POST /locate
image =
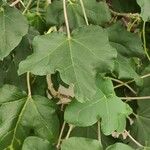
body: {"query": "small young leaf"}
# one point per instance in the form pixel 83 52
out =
pixel 79 143
pixel 13 26
pixel 76 59
pixel 105 105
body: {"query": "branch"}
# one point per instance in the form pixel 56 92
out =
pixel 125 84
pixel 122 84
pixel 135 98
pixel 66 19
pixel 136 142
pixel 144 41
pixel 14 3
pixel 27 7
pixel 69 131
pixel 60 136
pixel 28 84
pixel 99 132
pixel 84 13
pixel 128 15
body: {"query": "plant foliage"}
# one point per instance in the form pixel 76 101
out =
pixel 74 75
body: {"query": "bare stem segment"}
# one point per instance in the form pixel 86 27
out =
pixel 84 13
pixel 28 84
pixel 66 19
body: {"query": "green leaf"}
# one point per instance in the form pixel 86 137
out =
pixel 91 132
pixel 119 146
pixel 142 120
pixel 124 69
pixel 105 105
pixel 36 143
pixel 22 116
pixel 145 5
pixel 142 123
pixel 9 66
pixel 123 6
pixel 128 44
pixel 13 26
pixel 79 143
pixel 56 52
pixel 37 21
pixel 97 13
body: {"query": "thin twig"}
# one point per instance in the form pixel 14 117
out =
pixel 144 41
pixel 99 132
pixel 125 84
pixel 27 7
pixel 128 15
pixel 135 98
pixel 133 23
pixel 69 131
pixel 84 13
pixel 60 135
pixel 145 76
pixel 122 84
pixel 14 3
pixel 37 8
pixel 28 84
pixel 136 142
pixel 66 19
pixel 22 3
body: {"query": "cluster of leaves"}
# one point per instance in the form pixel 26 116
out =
pixel 69 70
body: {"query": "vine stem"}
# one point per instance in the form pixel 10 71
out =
pixel 60 135
pixel 84 13
pixel 136 142
pixel 28 84
pixel 129 15
pixel 135 98
pixel 122 84
pixel 144 41
pixel 66 19
pixel 133 23
pixel 69 131
pixel 27 7
pixel 125 84
pixel 99 132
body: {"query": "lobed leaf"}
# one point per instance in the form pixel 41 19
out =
pixel 22 116
pixel 77 59
pixel 105 105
